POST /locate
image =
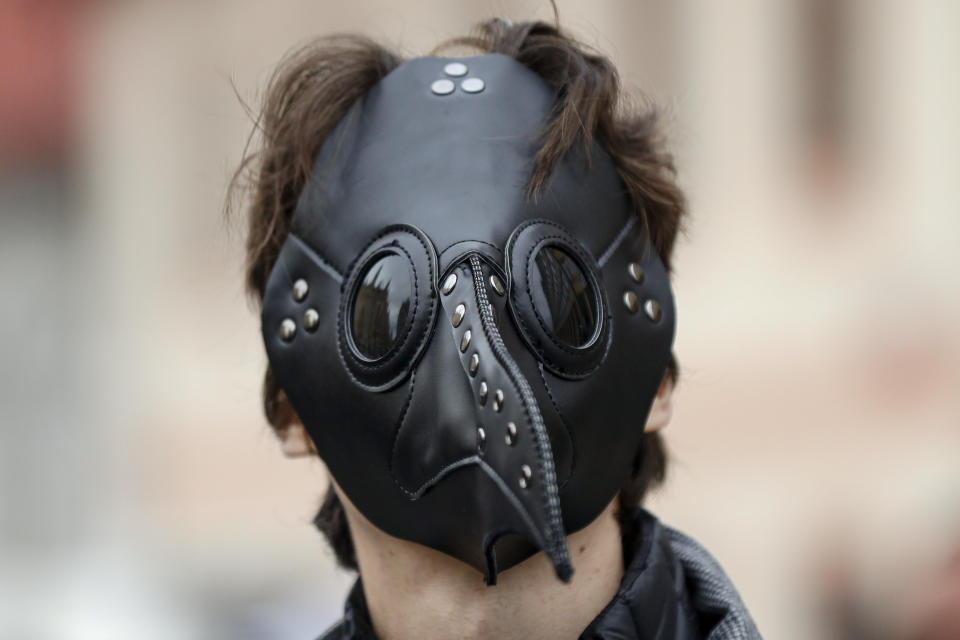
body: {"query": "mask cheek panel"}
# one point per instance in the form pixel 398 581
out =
pixel 347 423
pixel 605 407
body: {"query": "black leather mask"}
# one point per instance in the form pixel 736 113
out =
pixel 474 366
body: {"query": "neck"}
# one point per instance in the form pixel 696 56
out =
pixel 413 591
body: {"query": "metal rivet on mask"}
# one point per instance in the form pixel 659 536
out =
pixel 483 392
pixel 455 69
pixel 465 341
pixel 498 400
pixel 300 289
pixel 288 329
pixel 443 87
pixel 511 434
pixel 311 319
pixel 474 365
pixel 631 301
pixel 458 314
pixel 525 474
pixel 449 284
pixel 497 284
pixel 481 439
pixel 636 272
pixel 472 85
pixel 652 308
pixel 493 312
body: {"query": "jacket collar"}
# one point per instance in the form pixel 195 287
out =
pixel 672 588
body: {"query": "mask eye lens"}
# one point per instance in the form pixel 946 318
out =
pixel 381 306
pixel 563 297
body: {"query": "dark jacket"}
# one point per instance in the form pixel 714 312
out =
pixel 672 589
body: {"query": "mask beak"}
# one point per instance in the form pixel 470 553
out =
pixel 514 450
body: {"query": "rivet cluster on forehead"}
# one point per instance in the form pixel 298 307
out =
pixel 446 86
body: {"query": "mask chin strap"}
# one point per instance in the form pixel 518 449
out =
pixel 515 451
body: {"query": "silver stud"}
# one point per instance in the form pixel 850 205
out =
pixel 525 474
pixel 288 329
pixel 652 308
pixel 497 284
pixel 449 284
pixel 458 314
pixel 631 301
pixel 472 85
pixel 465 341
pixel 497 400
pixel 481 439
pixel 474 365
pixel 483 393
pixel 311 319
pixel 456 69
pixel 300 289
pixel 636 272
pixel 511 434
pixel 493 312
pixel 443 87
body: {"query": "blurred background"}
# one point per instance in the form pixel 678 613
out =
pixel 816 439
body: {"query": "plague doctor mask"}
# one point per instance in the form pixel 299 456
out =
pixel 474 365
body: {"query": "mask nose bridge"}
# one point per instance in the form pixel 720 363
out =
pixel 459 252
pixel 514 449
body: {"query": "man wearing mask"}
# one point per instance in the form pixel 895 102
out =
pixel 463 265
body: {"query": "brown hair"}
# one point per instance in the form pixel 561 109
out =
pixel 312 89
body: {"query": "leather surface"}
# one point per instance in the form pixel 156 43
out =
pixel 440 180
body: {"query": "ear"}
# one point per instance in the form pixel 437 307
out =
pixel 662 409
pixel 295 442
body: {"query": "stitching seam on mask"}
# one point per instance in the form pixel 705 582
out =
pixel 400 422
pixel 557 551
pixel 427 326
pixel 314 255
pixel 566 425
pixel 453 244
pixel 462 462
pixel 606 255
